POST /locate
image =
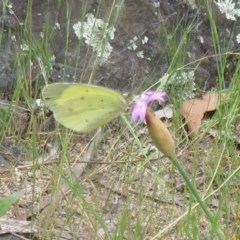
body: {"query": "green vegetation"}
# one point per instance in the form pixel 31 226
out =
pixel 113 183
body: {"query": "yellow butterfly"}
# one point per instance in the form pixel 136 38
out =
pixel 83 107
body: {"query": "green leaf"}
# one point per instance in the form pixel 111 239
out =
pixel 8 201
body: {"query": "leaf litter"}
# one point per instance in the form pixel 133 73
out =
pixel 193 110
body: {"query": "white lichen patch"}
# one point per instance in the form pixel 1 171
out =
pixel 156 4
pixel 228 7
pixel 57 26
pixel 42 35
pixel 140 54
pixel 10 8
pixel 96 33
pixel 144 40
pixel 53 58
pixel 135 42
pixel 24 47
pixel 238 38
pixel 192 4
pixel 183 83
pixel 132 43
pixel 201 39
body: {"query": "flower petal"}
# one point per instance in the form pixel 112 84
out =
pixel 139 112
pixel 140 104
pixel 135 115
pixel 159 96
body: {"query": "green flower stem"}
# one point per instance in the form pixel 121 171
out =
pixel 211 218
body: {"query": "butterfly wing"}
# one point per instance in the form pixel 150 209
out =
pixel 83 107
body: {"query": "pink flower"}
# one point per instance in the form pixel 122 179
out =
pixel 140 104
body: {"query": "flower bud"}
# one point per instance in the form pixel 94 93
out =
pixel 160 134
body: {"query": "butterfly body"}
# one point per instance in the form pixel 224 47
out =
pixel 83 107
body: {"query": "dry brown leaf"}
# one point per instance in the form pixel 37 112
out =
pixel 212 101
pixel 193 111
